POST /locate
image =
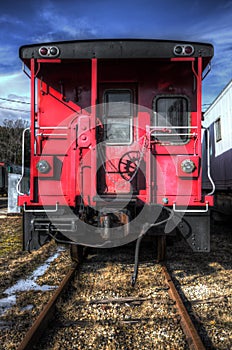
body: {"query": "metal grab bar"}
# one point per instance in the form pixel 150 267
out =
pixel 23 164
pixel 171 127
pixel 40 210
pixel 171 131
pixel 179 134
pixel 52 127
pixel 50 134
pixel 208 164
pixel 191 210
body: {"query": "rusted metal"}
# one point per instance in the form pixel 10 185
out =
pixel 189 329
pixel 161 248
pixel 40 324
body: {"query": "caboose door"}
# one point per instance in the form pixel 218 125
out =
pixel 117 152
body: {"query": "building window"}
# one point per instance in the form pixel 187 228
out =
pixel 218 129
pixel 172 113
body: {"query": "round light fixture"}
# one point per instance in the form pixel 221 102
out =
pixel 183 50
pixel 43 166
pixel 47 51
pixel 188 166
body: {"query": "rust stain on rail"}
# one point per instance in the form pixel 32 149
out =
pixel 190 331
pixel 46 315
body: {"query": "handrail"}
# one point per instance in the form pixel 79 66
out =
pixel 191 210
pixel 208 164
pixel 163 130
pixel 40 210
pixel 23 164
pixel 176 134
pixel 51 127
pixel 172 127
pixel 209 69
pixel 50 134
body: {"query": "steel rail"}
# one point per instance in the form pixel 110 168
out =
pixel 40 324
pixel 193 338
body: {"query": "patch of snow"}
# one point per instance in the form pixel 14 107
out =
pixel 25 285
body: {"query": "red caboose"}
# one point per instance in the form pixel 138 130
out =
pixel 116 142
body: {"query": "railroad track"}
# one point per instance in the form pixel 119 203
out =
pixel 42 322
pixel 102 310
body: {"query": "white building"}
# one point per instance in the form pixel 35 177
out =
pixel 220 114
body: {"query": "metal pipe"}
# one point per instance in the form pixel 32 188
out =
pixel 135 273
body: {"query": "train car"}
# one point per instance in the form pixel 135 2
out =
pixel 5 169
pixel 218 136
pixel 9 173
pixel 116 143
pixel 3 179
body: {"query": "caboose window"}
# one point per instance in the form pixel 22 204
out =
pixel 118 130
pixel 118 116
pixel 172 113
pixel 118 103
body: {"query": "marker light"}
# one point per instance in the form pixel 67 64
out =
pixel 43 166
pixel 178 50
pixel 43 51
pixel 183 50
pixel 46 51
pixel 188 50
pixel 188 166
pixel 54 51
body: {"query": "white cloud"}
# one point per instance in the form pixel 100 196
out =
pixel 15 83
pixel 14 87
pixel 70 27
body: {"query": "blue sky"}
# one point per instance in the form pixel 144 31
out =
pixel 27 22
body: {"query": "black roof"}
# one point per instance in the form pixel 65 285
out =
pixel 117 48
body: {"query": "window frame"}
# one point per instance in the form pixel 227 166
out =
pixel 116 117
pixel 218 129
pixel 112 143
pixel 168 137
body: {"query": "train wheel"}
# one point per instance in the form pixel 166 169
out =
pixel 76 253
pixel 161 248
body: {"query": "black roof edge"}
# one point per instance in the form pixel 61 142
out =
pixel 31 50
pixel 116 40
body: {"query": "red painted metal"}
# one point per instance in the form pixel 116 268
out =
pixel 67 129
pixel 49 60
pixel 181 59
pixel 199 114
pixel 32 170
pixel 93 155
